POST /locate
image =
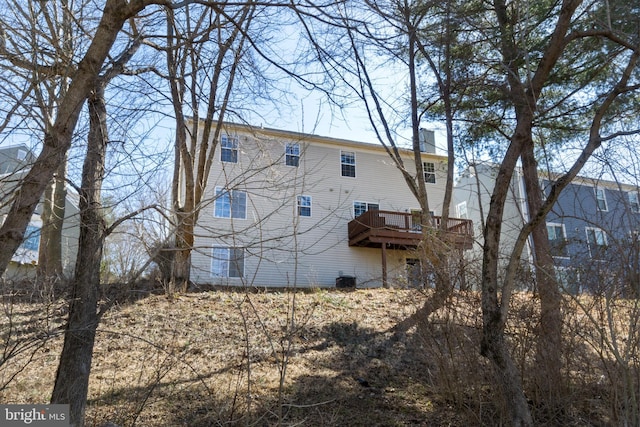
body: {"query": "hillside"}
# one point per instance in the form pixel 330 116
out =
pixel 311 358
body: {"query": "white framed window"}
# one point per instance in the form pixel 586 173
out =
pixel 292 154
pixel 31 239
pixel 429 172
pixel 22 154
pixel 361 207
pixel 228 149
pixel 230 204
pixel 461 210
pixel 601 199
pixel 633 201
pixel 227 262
pixel 557 239
pixel 348 163
pixel 304 206
pixel 597 242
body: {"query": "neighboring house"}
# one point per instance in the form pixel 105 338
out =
pixel 15 162
pixel 593 227
pixel 290 209
pixel 471 197
pixel 593 230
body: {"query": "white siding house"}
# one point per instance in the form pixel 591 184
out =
pixel 472 195
pixel 15 162
pixel 278 205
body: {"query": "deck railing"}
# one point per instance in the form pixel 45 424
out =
pixel 404 221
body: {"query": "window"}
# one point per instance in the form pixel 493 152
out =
pixel 601 199
pixel 557 239
pixel 292 154
pixel 31 238
pixel 304 205
pixel 229 149
pixel 348 163
pixel 361 207
pixel 227 262
pixel 597 241
pixel 568 279
pixel 230 204
pixel 429 172
pixel 633 201
pixel 22 154
pixel 461 210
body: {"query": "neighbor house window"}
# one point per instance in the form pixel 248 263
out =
pixel 292 154
pixel 22 154
pixel 31 238
pixel 461 210
pixel 557 239
pixel 361 207
pixel 348 163
pixel 597 241
pixel 601 199
pixel 227 262
pixel 230 204
pixel 633 201
pixel 304 205
pixel 229 149
pixel 568 280
pixel 429 172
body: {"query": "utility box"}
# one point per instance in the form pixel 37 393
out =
pixel 345 282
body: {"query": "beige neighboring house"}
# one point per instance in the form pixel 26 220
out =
pixel 15 162
pixel 291 209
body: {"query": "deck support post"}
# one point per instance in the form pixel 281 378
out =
pixel 384 265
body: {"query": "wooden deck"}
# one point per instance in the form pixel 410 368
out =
pixel 397 230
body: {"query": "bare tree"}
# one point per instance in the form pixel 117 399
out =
pixel 39 49
pixel 72 378
pixel 58 136
pixel 193 83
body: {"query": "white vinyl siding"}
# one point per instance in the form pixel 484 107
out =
pixel 318 253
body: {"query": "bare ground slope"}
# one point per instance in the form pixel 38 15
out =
pixel 315 358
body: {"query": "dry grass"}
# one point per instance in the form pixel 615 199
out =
pixel 316 358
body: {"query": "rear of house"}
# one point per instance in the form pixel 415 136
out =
pixel 279 203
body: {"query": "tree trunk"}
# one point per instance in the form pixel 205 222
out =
pixel 53 211
pixel 182 257
pixel 494 348
pixel 493 345
pixel 72 378
pixel 547 375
